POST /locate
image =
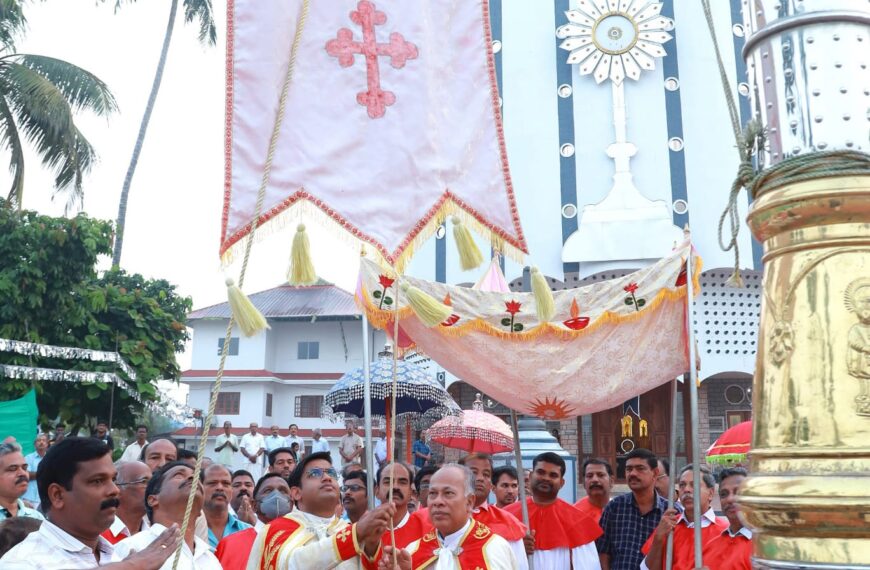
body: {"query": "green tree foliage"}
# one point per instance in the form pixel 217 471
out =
pixel 52 294
pixel 39 97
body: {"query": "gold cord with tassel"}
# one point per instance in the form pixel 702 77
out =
pixel 301 268
pixel 545 306
pixel 430 311
pixel 469 254
pixel 250 320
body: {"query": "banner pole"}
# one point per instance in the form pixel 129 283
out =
pixel 521 473
pixel 693 404
pixel 367 410
pixel 672 470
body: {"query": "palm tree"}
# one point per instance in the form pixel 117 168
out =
pixel 39 96
pixel 194 10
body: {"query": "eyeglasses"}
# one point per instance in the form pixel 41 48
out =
pixel 319 472
pixel 352 488
pixel 141 481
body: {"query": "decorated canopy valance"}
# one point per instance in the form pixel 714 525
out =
pixel 606 343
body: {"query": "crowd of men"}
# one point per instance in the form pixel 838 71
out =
pixel 68 506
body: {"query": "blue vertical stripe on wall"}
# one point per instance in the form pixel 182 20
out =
pixel 495 25
pixel 674 118
pixel 743 100
pixel 567 165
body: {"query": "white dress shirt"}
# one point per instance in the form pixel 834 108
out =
pixel 318 445
pixel 253 443
pixel 381 451
pixel 51 548
pixel 200 559
pixel 291 439
pixel 133 452
pixel 274 442
pixel 579 558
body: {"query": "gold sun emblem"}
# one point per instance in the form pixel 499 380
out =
pixel 551 409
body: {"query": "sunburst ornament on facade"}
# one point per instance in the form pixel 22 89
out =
pixel 615 39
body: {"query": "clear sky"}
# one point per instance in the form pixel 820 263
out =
pixel 173 216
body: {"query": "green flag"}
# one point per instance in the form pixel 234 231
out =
pixel 18 419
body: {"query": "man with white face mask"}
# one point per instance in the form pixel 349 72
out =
pixel 271 500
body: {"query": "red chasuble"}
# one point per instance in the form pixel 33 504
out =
pixel 684 542
pixel 233 551
pixel 587 507
pixel 728 553
pixel 500 522
pixel 285 528
pixel 471 555
pixel 414 528
pixel 557 525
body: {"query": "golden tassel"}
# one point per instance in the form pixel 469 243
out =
pixel 428 310
pixel 469 254
pixel 545 306
pixel 249 319
pixel 301 269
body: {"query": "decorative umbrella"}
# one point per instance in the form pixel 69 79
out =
pixel 732 446
pixel 475 431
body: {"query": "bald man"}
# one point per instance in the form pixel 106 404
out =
pixel 133 477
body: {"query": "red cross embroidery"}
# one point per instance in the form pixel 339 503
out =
pixel 375 99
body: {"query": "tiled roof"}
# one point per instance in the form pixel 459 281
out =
pixel 292 303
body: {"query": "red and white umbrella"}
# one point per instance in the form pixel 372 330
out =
pixel 732 446
pixel 475 431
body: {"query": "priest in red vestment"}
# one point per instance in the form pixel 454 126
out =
pixel 563 537
pixel 597 481
pixel 682 525
pixel 407 527
pixel 732 549
pixel 457 541
pixel 498 520
pixel 271 500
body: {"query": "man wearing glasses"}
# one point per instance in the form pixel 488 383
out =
pixel 312 536
pixel 354 496
pixel 133 477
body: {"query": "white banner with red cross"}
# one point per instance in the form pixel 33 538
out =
pixel 392 121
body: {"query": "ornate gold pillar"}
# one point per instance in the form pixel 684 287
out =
pixel 809 490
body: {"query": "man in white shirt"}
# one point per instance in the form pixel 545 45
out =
pixel 294 438
pixel 165 503
pixel 130 518
pixel 253 445
pixel 381 449
pixel 350 446
pixel 226 445
pixel 79 498
pixel 134 450
pixel 273 441
pixel 318 444
pixel 33 460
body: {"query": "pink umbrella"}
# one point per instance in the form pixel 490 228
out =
pixel 475 431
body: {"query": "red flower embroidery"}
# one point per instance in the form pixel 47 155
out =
pixel 385 281
pixel 513 307
pixel 630 288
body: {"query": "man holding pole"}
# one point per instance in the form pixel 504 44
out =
pixel 683 525
pixel 561 536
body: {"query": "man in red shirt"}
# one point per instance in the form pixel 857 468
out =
pixel 682 525
pixel 598 482
pixel 498 520
pixel 408 526
pixel 271 500
pixel 731 550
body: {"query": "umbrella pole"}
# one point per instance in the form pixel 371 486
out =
pixel 367 408
pixel 669 553
pixel 518 456
pixel 693 400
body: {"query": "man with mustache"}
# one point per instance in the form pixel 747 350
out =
pixel 629 519
pixel 165 502
pixel 498 521
pixel 242 498
pixel 132 479
pixel 561 536
pixel 79 499
pixel 158 453
pixel 506 485
pixel 271 500
pixel 683 525
pixel 282 461
pixel 311 537
pixel 14 480
pixel 354 496
pixel 663 480
pixel 457 541
pixel 407 527
pixel 597 481
pixel 732 549
pixel 217 486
